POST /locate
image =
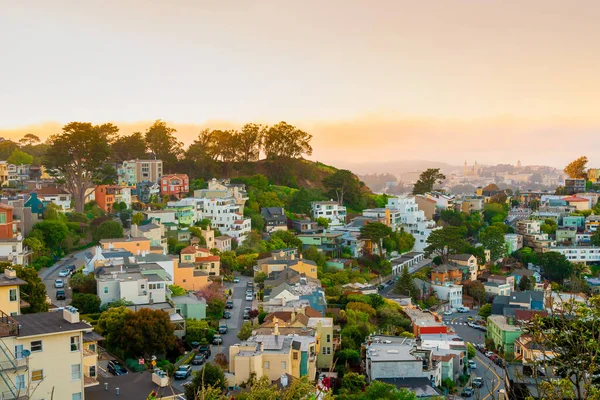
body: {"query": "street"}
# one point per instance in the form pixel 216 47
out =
pixel 493 375
pixel 234 324
pixel 49 276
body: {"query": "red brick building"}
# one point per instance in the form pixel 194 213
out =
pixel 177 185
pixel 8 227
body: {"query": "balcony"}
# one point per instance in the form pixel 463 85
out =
pixel 89 381
pixel 10 396
pixel 8 326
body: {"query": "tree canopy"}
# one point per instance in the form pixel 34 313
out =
pixel 446 241
pixel 555 266
pixel 577 168
pixel 19 157
pixel 492 239
pixel 283 140
pixel 375 231
pixel 344 186
pixel 427 180
pixel 163 144
pixel 129 147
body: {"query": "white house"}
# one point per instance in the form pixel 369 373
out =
pixel 59 197
pixel 578 254
pixel 139 288
pixel 331 210
pixel 164 216
pixel 225 216
pixel 13 250
pixel 513 241
pixel 412 220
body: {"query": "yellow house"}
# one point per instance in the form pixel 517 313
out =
pixel 273 356
pixel 10 296
pixel 202 258
pixel 3 173
pixel 284 261
pixel 136 245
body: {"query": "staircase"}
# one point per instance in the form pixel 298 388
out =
pixel 9 363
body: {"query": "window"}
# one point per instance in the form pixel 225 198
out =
pixel 76 396
pixel 266 365
pixel 75 372
pixel 37 375
pixel 324 351
pixel 14 314
pixel 2 218
pixel 12 295
pixel 328 350
pixel 283 365
pixel 92 371
pixel 36 345
pixel 142 286
pixel 105 289
pixel 19 351
pixel 92 347
pixel 295 355
pixel 328 338
pixel 20 382
pixel 74 343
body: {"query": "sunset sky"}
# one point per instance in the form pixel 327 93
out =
pixel 444 80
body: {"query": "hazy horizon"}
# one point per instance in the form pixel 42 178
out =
pixel 494 82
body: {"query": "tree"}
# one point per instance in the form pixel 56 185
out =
pixel 596 238
pixel 249 142
pixel 323 222
pixel 471 352
pixel 77 154
pixel 210 375
pixel 286 141
pixel 54 232
pixel 288 238
pixel 494 212
pixel 6 149
pixel 19 157
pixel 129 147
pixel 526 284
pixel 83 283
pixel 549 226
pixel 137 218
pixel 86 303
pixel 405 285
pixel 245 331
pixel 555 266
pixel 147 332
pixel 343 184
pixel 492 239
pixel 163 143
pixel 109 230
pixel 29 139
pixel 260 277
pixel 33 292
pixel 353 382
pixel 476 290
pixel 485 311
pixel 177 290
pixel 427 179
pixel 446 241
pixel 375 232
pixel 198 331
pixel 576 168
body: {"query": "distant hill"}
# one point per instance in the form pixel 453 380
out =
pixel 396 167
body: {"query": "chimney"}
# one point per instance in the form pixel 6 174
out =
pixel 292 257
pixel 71 314
pixel 276 328
pixel 292 317
pixel 10 273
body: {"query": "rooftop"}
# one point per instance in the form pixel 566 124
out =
pixel 6 281
pixel 131 386
pixel 48 322
pixel 500 322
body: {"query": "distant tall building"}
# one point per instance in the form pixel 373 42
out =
pixel 471 171
pixel 519 166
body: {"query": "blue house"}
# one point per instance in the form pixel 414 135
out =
pixel 37 206
pixel 577 221
pixel 519 273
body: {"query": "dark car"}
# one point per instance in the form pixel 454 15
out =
pixel 467 392
pixel 205 349
pixel 226 315
pixel 199 359
pixel 223 329
pixel 217 339
pixel 60 295
pixel 70 268
pixel 116 368
pixel 229 305
pixel 477 382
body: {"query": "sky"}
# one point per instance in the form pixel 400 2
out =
pixel 447 80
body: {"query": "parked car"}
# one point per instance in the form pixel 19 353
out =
pixel 463 309
pixel 63 273
pixel 205 349
pixel 71 269
pixel 217 339
pixel 499 362
pixel 249 297
pixel 229 305
pixel 226 315
pixel 116 368
pixel 472 364
pixel 199 359
pixel 469 318
pixel 236 280
pixel 477 382
pixel 223 329
pixel 493 357
pixel 59 283
pixel 488 354
pixel 60 295
pixel 467 392
pixel 183 372
pixel 447 312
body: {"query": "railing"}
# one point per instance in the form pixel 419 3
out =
pixel 8 325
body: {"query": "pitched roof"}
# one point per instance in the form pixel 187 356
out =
pixel 208 259
pixel 312 313
pixel 50 191
pixel 523 272
pixel 192 249
pixel 526 315
pixel 575 199
pixel 460 257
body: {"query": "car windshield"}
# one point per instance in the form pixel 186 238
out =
pixel 183 369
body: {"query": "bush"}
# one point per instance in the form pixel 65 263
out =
pixel 86 303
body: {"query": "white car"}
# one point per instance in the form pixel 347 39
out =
pixel 489 354
pixel 447 312
pixel 472 364
pixel 59 283
pixel 248 297
pixel 63 273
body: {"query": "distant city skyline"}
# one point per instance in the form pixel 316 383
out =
pixel 487 81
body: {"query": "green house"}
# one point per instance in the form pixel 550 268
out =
pixel 503 331
pixel 190 307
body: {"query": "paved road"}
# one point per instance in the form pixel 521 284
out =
pixel 49 276
pixel 493 376
pixel 234 324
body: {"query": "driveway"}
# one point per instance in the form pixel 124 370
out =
pixel 234 324
pixel 493 376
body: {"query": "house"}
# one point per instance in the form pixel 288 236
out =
pixel 162 216
pixel 275 219
pixel 339 263
pixel 330 243
pixel 208 235
pixel 577 254
pixel 576 221
pixel 427 205
pixel 447 274
pixel 424 321
pixel 36 205
pixel 412 220
pixel 449 293
pixel 330 210
pixel 184 215
pixel 175 185
pixel 389 357
pixel 504 330
pixel 12 248
pixel 472 204
pixel 34 343
pixel 574 185
pixel 191 277
pixel 131 172
pixel 272 356
pixel 22 214
pixel 226 216
pixel 135 245
pixel 529 352
pixel 146 190
pixel 466 260
pixel 510 280
pixel 153 231
pixel 513 242
pixel 165 261
pixel 54 195
pixel 189 306
pixel 413 260
pixel 202 258
pixel 526 300
pixel 224 188
pixel 495 288
pixel 305 226
pixel 281 262
pixel 580 203
pixel 140 284
pixel 442 201
pixel 223 243
pixel 106 196
pixel 520 273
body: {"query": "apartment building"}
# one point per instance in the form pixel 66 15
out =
pixel 134 171
pixel 225 215
pixel 272 356
pixel 223 243
pixel 177 185
pixel 140 284
pixel 330 210
pixel 412 220
pixel 577 254
pixel 224 188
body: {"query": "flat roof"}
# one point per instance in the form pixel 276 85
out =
pixel 48 322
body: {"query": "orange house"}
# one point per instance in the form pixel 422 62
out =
pixel 190 278
pixel 136 245
pixel 105 196
pixel 441 276
pixel 8 227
